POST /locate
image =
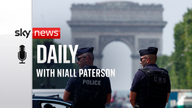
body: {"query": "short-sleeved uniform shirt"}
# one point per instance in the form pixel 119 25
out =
pixel 140 79
pixel 73 82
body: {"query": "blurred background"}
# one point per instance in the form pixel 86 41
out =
pixel 164 24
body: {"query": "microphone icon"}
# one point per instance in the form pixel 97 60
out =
pixel 22 55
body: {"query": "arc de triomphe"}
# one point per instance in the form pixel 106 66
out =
pixel 138 26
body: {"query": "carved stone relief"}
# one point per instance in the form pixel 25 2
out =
pixel 145 43
pixel 129 40
pixel 117 29
pixel 85 42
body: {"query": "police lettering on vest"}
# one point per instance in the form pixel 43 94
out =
pixel 159 79
pixel 92 82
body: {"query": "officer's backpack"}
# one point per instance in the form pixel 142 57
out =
pixel 157 87
pixel 90 93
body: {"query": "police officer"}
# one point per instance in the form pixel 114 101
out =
pixel 151 84
pixel 87 92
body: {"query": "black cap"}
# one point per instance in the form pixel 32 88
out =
pixel 84 50
pixel 150 50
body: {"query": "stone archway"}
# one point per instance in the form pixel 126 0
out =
pixel 139 26
pixel 118 58
pixel 104 40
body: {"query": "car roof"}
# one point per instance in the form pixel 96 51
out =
pixel 51 99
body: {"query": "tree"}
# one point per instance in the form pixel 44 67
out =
pixel 179 63
pixel 179 56
pixel 188 45
pixel 182 58
pixel 166 62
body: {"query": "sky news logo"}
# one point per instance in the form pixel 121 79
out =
pixel 46 33
pixel 40 33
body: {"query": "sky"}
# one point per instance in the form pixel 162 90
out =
pixel 57 12
pixel 54 13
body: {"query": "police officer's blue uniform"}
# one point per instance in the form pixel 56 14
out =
pixel 88 92
pixel 156 97
pixel 74 85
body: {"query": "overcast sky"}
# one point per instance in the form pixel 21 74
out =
pixel 55 13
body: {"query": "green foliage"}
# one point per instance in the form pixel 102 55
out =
pixel 182 58
pixel 179 63
pixel 166 62
pixel 188 45
pixel 59 82
pixel 179 56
